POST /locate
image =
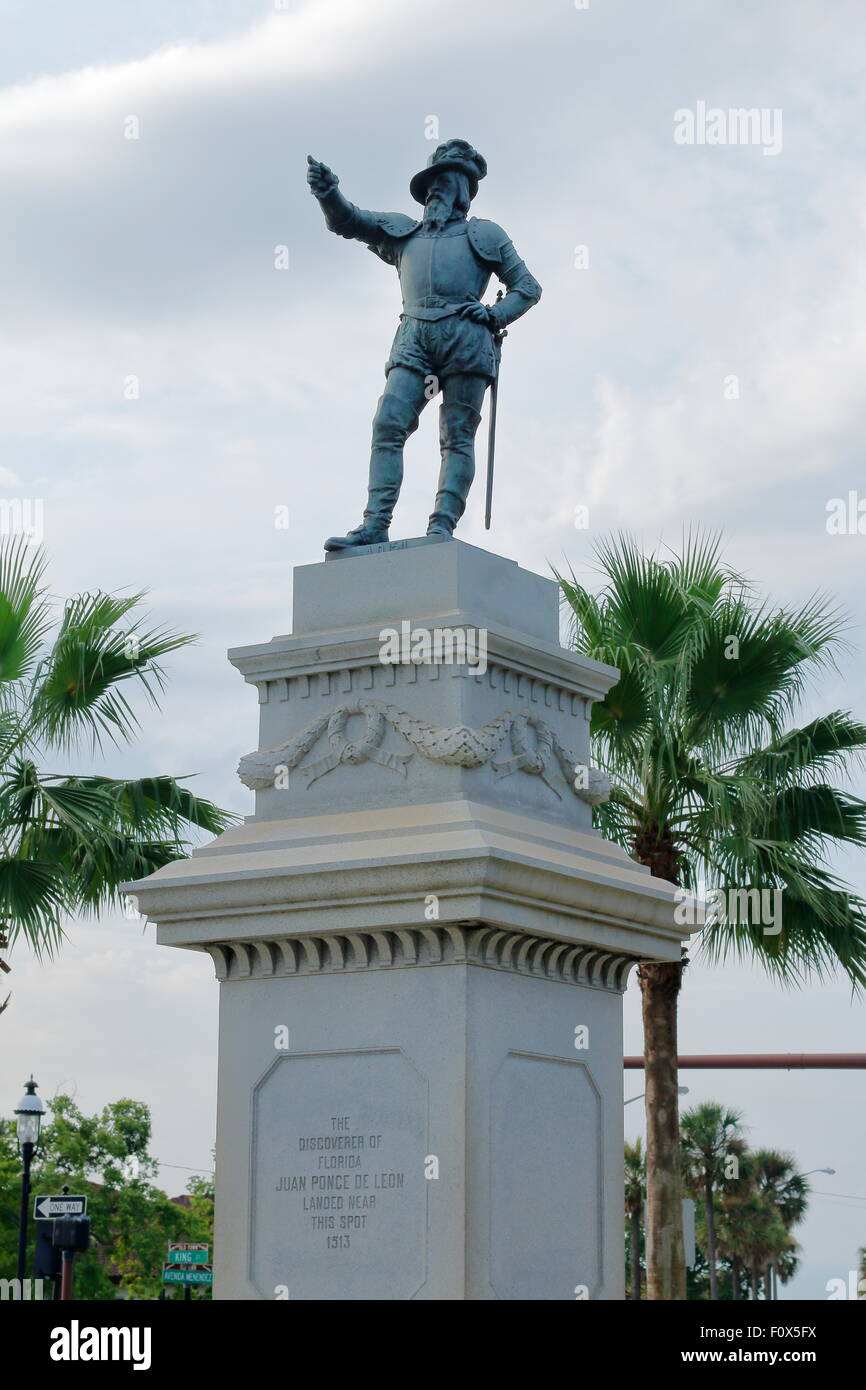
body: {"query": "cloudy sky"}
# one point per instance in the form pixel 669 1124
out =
pixel 698 357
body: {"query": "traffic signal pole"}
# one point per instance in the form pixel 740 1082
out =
pixel 67 1275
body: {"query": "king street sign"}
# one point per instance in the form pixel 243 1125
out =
pixel 187 1254
pixel 47 1208
pixel 187 1274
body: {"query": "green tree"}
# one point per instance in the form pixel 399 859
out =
pixel 711 1138
pixel 107 1156
pixel 635 1193
pixel 200 1190
pixel 767 1237
pixel 787 1191
pixel 756 1213
pixel 736 1211
pixel 67 842
pixel 712 783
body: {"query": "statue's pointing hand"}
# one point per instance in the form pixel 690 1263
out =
pixel 320 178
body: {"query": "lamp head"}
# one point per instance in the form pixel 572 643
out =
pixel 28 1115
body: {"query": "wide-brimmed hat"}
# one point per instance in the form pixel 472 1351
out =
pixel 457 155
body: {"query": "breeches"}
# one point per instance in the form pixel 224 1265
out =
pixel 446 347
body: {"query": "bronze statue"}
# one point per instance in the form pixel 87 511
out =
pixel 447 339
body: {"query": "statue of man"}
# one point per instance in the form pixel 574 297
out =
pixel 446 335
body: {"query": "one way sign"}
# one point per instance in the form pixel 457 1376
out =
pixel 47 1208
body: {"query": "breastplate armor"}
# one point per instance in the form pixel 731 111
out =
pixel 439 271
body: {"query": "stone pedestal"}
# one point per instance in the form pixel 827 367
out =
pixel 421 945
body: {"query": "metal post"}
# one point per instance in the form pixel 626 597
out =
pixel 67 1274
pixel 27 1155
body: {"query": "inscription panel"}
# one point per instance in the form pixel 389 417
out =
pixel 546 1177
pixel 339 1196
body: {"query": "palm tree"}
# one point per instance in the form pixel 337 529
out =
pixel 737 1209
pixel 767 1238
pixel 67 841
pixel 777 1179
pixel 755 1215
pixel 635 1192
pixel 712 783
pixel 788 1260
pixel 711 1137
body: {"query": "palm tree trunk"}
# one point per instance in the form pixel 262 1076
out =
pixel 711 1241
pixel 755 1277
pixel 635 1253
pixel 665 1253
pixel 768 1281
pixel 735 1279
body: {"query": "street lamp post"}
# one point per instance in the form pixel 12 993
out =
pixel 681 1091
pixel 29 1120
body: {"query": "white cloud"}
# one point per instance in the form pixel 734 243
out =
pixel 47 117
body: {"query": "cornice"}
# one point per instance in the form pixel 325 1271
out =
pixel 430 945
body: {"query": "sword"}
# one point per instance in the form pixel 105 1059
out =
pixel 491 433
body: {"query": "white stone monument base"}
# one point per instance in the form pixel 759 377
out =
pixel 421 944
pixel 431 1131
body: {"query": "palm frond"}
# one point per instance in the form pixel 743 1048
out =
pixel 826 743
pixel 24 614
pixel 80 690
pixel 33 901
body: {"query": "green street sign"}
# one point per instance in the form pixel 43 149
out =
pixel 189 1274
pixel 190 1256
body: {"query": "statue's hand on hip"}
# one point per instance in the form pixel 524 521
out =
pixel 478 313
pixel 320 178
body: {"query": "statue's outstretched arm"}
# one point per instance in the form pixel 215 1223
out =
pixel 341 216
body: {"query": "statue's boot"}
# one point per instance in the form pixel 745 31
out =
pixel 395 419
pixel 457 426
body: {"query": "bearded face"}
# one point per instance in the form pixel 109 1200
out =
pixel 448 194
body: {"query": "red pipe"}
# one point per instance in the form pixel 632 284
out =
pixel 781 1061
